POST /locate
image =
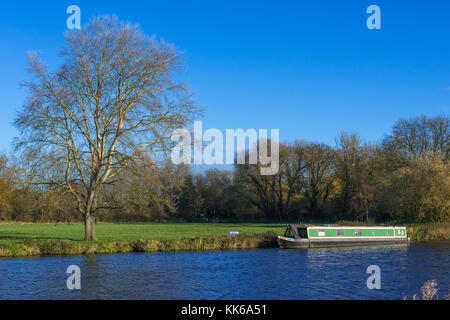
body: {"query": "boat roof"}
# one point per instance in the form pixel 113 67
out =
pixel 294 226
pixel 354 227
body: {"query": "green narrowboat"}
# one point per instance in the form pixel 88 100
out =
pixel 302 236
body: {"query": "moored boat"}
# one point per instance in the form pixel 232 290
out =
pixel 301 236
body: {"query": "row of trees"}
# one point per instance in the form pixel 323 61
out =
pixel 405 177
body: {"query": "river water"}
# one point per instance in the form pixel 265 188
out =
pixel 247 274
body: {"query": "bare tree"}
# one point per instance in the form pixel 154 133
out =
pixel 273 194
pixel 112 100
pixel 319 172
pixel 348 159
pixel 419 137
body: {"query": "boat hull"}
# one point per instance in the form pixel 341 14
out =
pixel 293 244
pixel 326 243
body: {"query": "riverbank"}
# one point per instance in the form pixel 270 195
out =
pixel 35 247
pixel 20 240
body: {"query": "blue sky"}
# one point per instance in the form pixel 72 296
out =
pixel 308 68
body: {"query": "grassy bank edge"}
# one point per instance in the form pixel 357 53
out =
pixel 34 247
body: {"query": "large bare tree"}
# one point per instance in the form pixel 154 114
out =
pixel 113 99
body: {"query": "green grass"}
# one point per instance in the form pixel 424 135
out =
pixel 429 231
pixel 132 231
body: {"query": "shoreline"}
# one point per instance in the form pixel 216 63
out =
pixel 36 248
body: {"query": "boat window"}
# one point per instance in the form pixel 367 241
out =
pixel 340 232
pixel 302 233
pixel 358 232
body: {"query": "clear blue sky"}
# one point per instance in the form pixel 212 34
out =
pixel 308 68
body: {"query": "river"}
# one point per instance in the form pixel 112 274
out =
pixel 335 273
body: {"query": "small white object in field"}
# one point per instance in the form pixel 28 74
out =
pixel 234 234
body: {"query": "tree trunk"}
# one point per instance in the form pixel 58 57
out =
pixel 89 227
pixel 366 209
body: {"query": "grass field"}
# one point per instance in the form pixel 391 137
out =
pixel 61 239
pixel 132 231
